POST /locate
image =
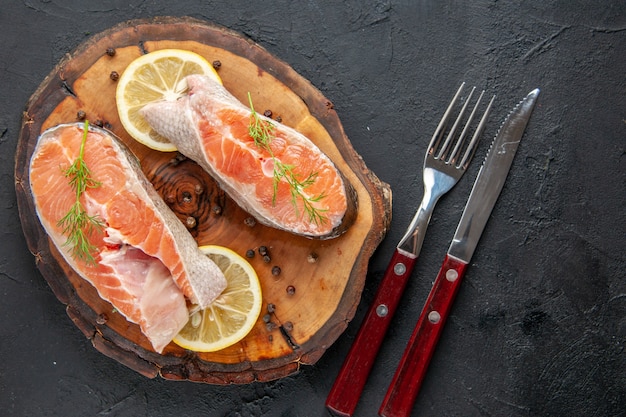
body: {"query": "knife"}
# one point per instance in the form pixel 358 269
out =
pixel 348 386
pixel 410 373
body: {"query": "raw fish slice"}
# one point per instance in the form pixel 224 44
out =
pixel 210 126
pixel 147 262
pixel 143 286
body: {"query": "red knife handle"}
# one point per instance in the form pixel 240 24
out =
pixel 410 373
pixel 345 393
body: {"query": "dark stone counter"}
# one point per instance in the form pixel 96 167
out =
pixel 539 325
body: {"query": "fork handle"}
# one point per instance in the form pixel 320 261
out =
pixel 410 373
pixel 346 390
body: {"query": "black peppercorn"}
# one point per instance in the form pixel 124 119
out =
pixel 190 222
pixel 102 318
pixel 178 159
pixel 312 258
pixel 110 51
pixel 114 75
pixel 267 113
pixel 250 253
pixel 217 64
pixel 80 115
pixel 276 271
pixel 271 308
pixel 291 290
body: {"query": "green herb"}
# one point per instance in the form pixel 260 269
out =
pixel 77 224
pixel 262 131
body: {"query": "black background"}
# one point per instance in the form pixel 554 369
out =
pixel 539 324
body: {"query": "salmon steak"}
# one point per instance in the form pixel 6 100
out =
pixel 145 262
pixel 278 176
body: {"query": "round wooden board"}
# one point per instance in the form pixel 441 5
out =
pixel 306 322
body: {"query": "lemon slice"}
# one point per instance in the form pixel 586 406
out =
pixel 233 314
pixel 156 76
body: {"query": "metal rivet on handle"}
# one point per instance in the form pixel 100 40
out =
pixel 434 317
pixel 382 310
pixel 452 275
pixel 399 268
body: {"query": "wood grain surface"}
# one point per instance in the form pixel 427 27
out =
pixel 322 295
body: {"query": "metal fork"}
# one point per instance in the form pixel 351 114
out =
pixel 443 168
pixel 445 163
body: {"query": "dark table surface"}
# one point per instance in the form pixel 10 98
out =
pixel 539 324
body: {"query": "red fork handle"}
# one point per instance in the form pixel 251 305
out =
pixel 410 373
pixel 346 391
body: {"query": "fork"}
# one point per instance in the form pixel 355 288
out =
pixel 445 163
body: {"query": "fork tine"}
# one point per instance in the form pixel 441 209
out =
pixel 434 142
pixel 446 144
pixel 471 148
pixel 455 152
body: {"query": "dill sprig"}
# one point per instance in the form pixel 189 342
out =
pixel 262 131
pixel 77 224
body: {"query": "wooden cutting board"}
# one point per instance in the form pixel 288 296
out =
pixel 320 284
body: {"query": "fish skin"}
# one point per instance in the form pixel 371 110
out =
pixel 161 265
pixel 210 126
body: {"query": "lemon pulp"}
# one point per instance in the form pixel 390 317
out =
pixel 233 314
pixel 156 76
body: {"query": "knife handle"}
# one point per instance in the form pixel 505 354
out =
pixel 346 390
pixel 410 373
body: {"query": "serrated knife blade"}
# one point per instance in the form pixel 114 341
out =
pixel 490 179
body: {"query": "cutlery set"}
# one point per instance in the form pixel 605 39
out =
pixel 447 157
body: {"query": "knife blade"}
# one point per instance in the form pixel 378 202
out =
pixel 413 365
